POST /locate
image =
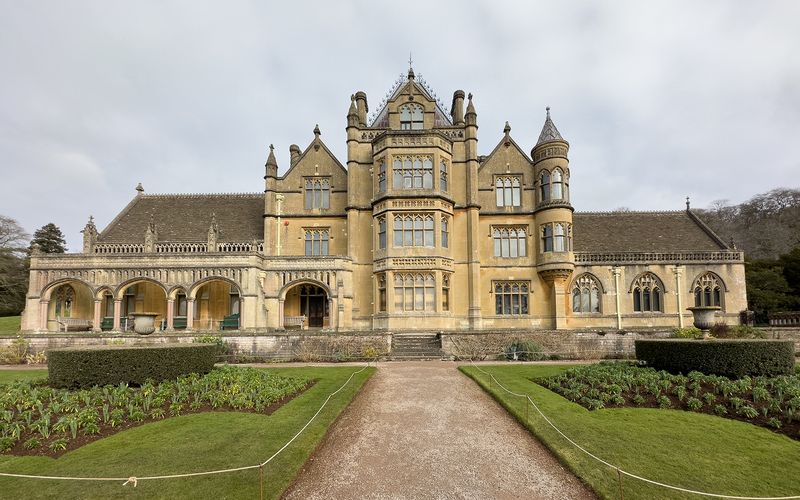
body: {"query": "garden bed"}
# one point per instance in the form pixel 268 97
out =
pixel 771 402
pixel 39 420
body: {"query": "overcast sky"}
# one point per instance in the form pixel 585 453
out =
pixel 658 100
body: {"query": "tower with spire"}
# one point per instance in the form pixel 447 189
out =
pixel 555 258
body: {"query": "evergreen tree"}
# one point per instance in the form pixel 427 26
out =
pixel 50 239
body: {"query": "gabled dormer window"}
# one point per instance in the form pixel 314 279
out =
pixel 411 117
pixel 318 193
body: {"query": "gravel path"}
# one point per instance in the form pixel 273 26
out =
pixel 424 430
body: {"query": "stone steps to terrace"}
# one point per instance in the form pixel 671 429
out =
pixel 416 346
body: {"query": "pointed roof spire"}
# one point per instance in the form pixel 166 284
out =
pixel 410 67
pixel 470 106
pixel 353 111
pixel 271 161
pixel 549 131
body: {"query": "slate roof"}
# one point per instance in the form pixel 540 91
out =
pixel 549 131
pixel 187 217
pixel 679 231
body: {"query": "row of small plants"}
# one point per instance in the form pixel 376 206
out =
pixel 772 402
pixel 47 420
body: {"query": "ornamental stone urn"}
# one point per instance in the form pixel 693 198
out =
pixel 704 317
pixel 144 323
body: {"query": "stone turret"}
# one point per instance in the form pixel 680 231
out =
pixel 89 236
pixel 363 108
pixel 555 260
pixel 294 154
pixel 457 109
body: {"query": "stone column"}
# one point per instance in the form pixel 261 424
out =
pixel 170 314
pixel 117 312
pixel 281 325
pixel 617 271
pixel 44 305
pixel 333 313
pixel 189 313
pixel 98 304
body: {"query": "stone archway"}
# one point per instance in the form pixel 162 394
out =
pixel 68 305
pixel 306 304
pixel 215 303
pixel 136 296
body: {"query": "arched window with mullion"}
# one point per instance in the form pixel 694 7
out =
pixel 647 290
pixel 707 290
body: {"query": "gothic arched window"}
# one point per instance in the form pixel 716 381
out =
pixel 411 117
pixel 443 176
pixel 382 177
pixel 65 297
pixel 557 182
pixel 586 293
pixel 708 290
pixel 648 293
pixel 544 186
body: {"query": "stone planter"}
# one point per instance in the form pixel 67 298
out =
pixel 704 317
pixel 144 323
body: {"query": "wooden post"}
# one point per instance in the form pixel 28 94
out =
pixel 261 480
pixel 619 478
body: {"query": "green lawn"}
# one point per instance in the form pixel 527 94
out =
pixel 690 450
pixel 9 324
pixel 7 376
pixel 193 443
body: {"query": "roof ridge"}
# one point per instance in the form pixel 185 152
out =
pixel 617 212
pixel 201 195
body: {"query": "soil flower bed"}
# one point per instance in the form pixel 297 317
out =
pixel 39 420
pixel 772 402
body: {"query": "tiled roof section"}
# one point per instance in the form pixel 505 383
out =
pixel 187 217
pixel 641 232
pixel 549 131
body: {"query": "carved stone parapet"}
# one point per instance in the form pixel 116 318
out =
pixel 722 256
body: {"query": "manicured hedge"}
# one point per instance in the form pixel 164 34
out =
pixel 100 365
pixel 733 358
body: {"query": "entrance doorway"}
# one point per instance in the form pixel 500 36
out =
pixel 313 305
pixel 306 305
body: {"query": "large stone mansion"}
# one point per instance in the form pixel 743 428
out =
pixel 417 231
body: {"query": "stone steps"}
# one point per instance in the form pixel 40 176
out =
pixel 416 347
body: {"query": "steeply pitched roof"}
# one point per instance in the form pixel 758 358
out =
pixel 381 116
pixel 549 131
pixel 642 232
pixel 187 217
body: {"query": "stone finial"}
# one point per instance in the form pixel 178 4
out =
pixel 687 204
pixel 470 106
pixel 89 236
pixel 36 249
pixel 272 163
pixel 139 189
pixel 317 133
pixel 353 111
pixel 150 236
pixel 213 234
pixel 507 133
pixel 732 244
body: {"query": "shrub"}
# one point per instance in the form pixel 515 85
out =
pixel 15 353
pixel 689 332
pixel 730 358
pixel 103 365
pixel 223 348
pixel 524 350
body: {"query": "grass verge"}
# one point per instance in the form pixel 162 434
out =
pixel 693 451
pixel 193 443
pixel 9 325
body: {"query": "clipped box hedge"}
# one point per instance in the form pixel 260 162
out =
pixel 732 358
pixel 86 366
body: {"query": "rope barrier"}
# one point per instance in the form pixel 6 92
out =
pixel 619 470
pixel 136 479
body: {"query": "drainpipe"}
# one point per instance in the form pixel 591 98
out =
pixel 617 271
pixel 279 199
pixel 678 272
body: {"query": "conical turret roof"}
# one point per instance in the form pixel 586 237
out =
pixel 549 131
